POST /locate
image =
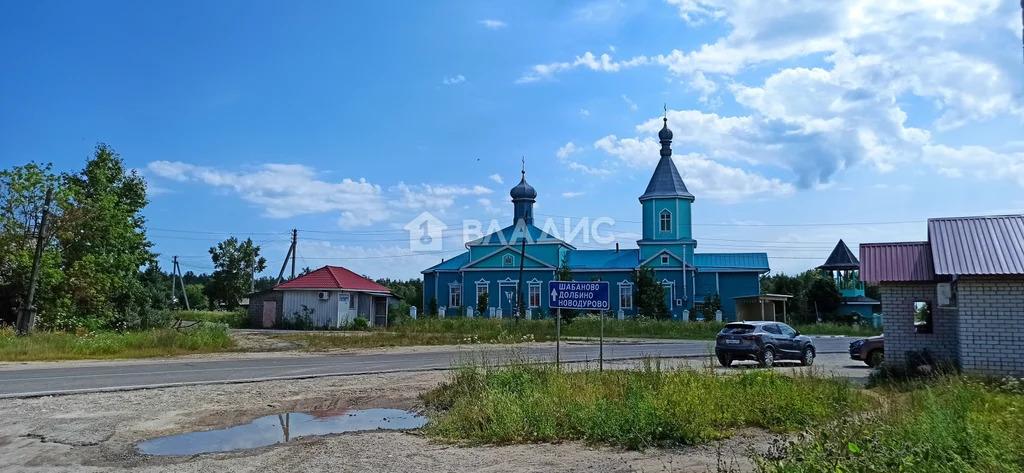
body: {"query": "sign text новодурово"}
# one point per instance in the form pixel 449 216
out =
pixel 579 295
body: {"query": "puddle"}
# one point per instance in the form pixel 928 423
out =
pixel 281 428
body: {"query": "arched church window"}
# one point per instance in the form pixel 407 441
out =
pixel 507 260
pixel 666 221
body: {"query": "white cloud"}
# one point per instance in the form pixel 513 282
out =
pixel 493 24
pixel 705 177
pixel 456 79
pixel 975 161
pixel 702 84
pixel 570 195
pixel 632 104
pixel 496 178
pixel 288 190
pixel 603 62
pixel 584 112
pixel 611 48
pixel 567 150
pixel 427 196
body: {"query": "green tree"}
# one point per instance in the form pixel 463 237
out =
pixel 712 304
pixel 234 262
pixel 650 295
pixel 196 297
pixel 22 195
pixel 434 309
pixel 564 273
pixel 103 240
pixel 482 305
pixel 824 297
pixel 157 285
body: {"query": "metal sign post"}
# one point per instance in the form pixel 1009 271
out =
pixel 558 339
pixel 592 295
pixel 600 353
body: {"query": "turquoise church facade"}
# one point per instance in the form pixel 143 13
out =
pixel 492 264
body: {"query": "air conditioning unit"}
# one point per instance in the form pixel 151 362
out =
pixel 323 295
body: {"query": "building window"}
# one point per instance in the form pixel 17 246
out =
pixel 626 296
pixel 481 290
pixel 534 299
pixel 923 317
pixel 666 221
pixel 508 260
pixel 455 295
pixel 664 259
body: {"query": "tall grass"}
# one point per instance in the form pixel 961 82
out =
pixel 544 329
pixel 949 425
pixel 636 409
pixel 48 346
pixel 231 318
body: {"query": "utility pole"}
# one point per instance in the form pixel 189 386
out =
pixel 27 314
pixel 287 256
pixel 295 241
pixel 521 310
pixel 252 277
pixel 177 278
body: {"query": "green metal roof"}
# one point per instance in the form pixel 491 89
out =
pixel 731 262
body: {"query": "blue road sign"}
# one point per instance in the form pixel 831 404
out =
pixel 591 295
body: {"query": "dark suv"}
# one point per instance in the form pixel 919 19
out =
pixel 765 342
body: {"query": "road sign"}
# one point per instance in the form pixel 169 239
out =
pixel 591 295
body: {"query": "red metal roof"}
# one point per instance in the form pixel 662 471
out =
pixel 896 262
pixel 333 277
pixel 978 245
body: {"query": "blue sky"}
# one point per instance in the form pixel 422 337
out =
pixel 795 124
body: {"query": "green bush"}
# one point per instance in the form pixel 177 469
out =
pixel 947 425
pixel 360 323
pixel 636 409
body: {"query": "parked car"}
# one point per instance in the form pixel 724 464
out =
pixel 869 350
pixel 763 341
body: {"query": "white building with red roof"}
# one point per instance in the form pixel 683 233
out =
pixel 331 296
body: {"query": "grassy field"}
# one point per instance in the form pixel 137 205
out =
pixel 47 346
pixel 590 327
pixel 636 409
pixel 459 330
pixel 946 425
pixel 233 319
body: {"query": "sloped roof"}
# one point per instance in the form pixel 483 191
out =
pixel 731 262
pixel 992 245
pixel 604 259
pixel 896 262
pixel 332 277
pixel 511 235
pixel 450 264
pixel 666 182
pixel 841 258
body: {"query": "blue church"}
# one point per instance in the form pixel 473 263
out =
pixel 492 263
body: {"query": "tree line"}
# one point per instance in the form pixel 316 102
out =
pixel 98 270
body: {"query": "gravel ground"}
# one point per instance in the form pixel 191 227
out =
pixel 98 432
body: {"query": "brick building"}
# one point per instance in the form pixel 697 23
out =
pixel 959 296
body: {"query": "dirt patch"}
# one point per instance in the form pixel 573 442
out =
pixel 261 343
pixel 98 432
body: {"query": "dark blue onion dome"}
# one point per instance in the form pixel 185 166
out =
pixel 665 134
pixel 523 190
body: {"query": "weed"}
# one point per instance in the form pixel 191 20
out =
pixel 45 346
pixel 636 409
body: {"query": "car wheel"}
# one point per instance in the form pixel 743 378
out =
pixel 875 358
pixel 808 357
pixel 767 359
pixel 725 360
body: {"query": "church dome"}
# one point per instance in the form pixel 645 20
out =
pixel 523 190
pixel 665 134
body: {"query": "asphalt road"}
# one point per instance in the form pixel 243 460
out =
pixel 96 377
